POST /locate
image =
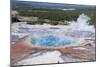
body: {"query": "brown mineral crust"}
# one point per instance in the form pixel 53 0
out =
pixel 19 50
pixel 80 54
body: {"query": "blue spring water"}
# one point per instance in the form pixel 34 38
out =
pixel 51 41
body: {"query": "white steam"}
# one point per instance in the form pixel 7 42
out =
pixel 81 24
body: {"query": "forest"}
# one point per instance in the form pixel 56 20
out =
pixel 55 15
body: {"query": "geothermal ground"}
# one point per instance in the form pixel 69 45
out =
pixel 43 44
pixel 26 54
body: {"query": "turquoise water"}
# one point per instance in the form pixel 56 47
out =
pixel 51 41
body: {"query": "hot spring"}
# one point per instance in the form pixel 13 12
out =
pixel 52 41
pixel 47 35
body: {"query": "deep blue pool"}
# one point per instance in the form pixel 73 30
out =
pixel 51 41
